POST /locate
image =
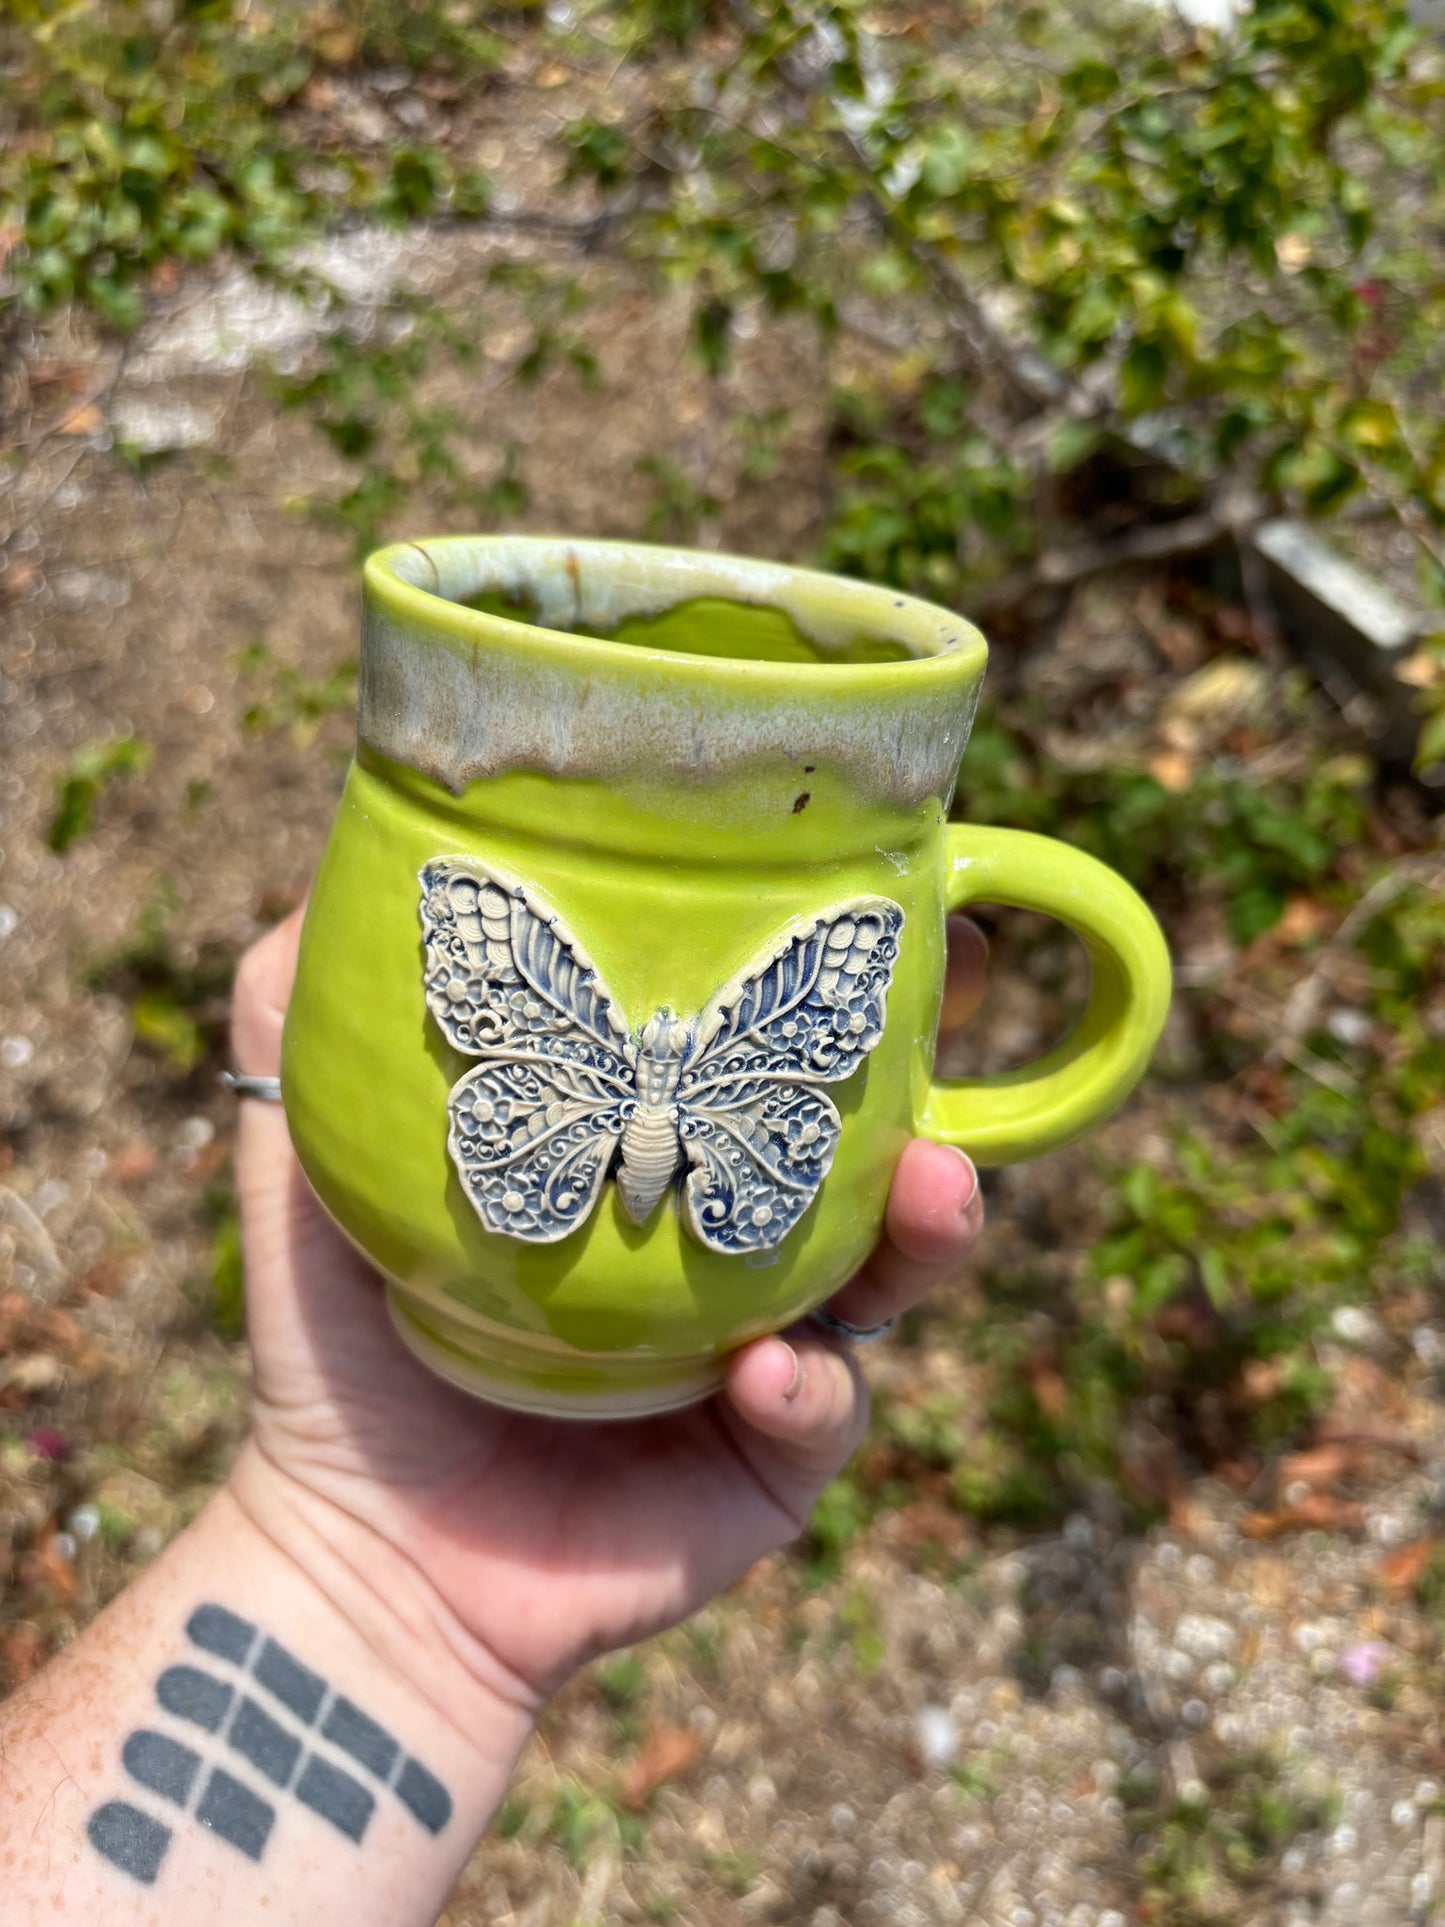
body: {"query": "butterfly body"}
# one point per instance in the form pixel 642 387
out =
pixel 651 1148
pixel 566 1094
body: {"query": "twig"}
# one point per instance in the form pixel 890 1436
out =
pixel 985 346
pixel 1302 1007
pixel 38 1239
pixel 1062 568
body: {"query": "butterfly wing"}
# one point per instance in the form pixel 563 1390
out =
pixel 758 1131
pixel 534 1126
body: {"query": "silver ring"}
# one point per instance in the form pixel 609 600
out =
pixel 836 1327
pixel 242 1084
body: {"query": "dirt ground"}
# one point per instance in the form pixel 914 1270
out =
pixel 945 1725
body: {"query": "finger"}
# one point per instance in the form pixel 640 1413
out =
pixel 965 978
pixel 934 1216
pixel 258 1003
pixel 803 1408
pixel 277 1211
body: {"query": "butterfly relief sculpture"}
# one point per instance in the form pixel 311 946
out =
pixel 565 1092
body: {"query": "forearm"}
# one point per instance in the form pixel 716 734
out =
pixel 237 1733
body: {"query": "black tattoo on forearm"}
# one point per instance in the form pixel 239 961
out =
pixel 294 1735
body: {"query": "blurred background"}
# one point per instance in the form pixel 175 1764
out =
pixel 1120 330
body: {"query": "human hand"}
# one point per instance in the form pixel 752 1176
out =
pixel 512 1545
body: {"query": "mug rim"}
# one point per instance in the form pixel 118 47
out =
pixel 948 645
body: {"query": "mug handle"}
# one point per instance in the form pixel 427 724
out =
pixel 1020 1113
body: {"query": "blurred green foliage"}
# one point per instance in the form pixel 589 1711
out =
pixel 151 135
pixel 91 772
pixel 1200 1858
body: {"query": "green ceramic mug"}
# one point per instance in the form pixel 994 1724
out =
pixel 620 980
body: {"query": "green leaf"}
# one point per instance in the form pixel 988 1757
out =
pixel 1070 444
pixel 1142 377
pixel 90 774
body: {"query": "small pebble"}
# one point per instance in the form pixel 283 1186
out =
pixel 8 920
pixel 147 1542
pixel 1346 1026
pixel 16 1052
pixel 1402 1814
pixel 1194 1713
pixel 195 1134
pixel 62 1544
pixel 937 1735
pixel 84 1523
pixel 1427 1792
pixel 1205 1637
pixel 843 1820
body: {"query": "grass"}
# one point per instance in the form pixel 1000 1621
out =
pixel 1198 1859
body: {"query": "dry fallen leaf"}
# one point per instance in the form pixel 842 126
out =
pixel 929 1521
pixel 1317 1513
pixel 85 420
pixel 666 1754
pixel 1046 1383
pixel 33 1373
pixel 15 1311
pixel 1303 919
pixel 72 377
pixel 1173 770
pixel 1400 1571
pixel 1422 670
pixel 133 1162
pixel 48 1570
pixel 1186 1517
pixel 18 580
pixel 1320 1465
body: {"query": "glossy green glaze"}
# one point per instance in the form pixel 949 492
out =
pixel 679 802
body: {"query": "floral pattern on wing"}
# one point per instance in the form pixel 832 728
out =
pixel 502 974
pixel 532 1143
pixel 760 1141
pixel 758 1153
pixel 534 1128
pixel 812 1008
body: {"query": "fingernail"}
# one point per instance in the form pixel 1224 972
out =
pixel 971 1188
pixel 795 1383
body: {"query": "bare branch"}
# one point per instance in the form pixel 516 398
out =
pixel 1062 568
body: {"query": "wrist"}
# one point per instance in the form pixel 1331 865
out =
pixel 380 1603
